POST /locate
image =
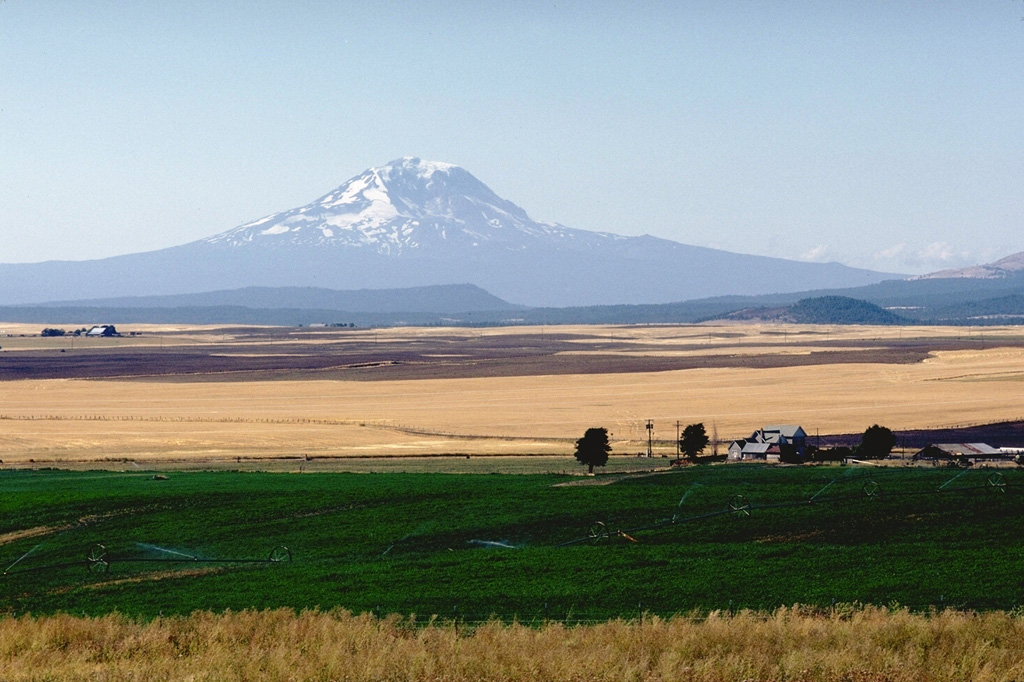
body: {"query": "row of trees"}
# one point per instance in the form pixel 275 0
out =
pixel 593 448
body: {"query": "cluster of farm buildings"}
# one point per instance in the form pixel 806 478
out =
pixel 788 442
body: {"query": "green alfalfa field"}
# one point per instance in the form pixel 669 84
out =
pixel 529 548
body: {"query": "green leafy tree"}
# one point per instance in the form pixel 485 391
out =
pixel 592 450
pixel 876 443
pixel 693 441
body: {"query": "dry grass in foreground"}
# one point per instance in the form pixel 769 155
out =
pixel 790 644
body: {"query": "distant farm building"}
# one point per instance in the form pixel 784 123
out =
pixel 770 444
pixel 963 453
pixel 102 330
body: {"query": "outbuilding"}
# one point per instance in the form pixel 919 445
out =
pixel 963 453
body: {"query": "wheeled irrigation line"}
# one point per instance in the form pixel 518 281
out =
pixel 99 560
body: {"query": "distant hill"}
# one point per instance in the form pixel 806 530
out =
pixel 241 315
pixel 996 309
pixel 285 306
pixel 448 298
pixel 1004 267
pixel 841 310
pixel 822 310
pixel 966 301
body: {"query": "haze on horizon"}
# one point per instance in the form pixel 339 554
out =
pixel 883 135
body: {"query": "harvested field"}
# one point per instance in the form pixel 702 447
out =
pixel 227 394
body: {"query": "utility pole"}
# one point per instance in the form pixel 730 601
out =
pixel 650 438
pixel 678 453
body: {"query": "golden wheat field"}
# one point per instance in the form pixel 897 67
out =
pixel 855 645
pixel 733 378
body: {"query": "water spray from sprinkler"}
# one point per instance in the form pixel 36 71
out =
pixel 166 550
pixel 18 560
pixel 822 490
pixel 953 479
pixel 493 543
pixel 690 489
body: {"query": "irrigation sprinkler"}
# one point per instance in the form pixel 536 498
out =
pixel 279 554
pixel 739 506
pixel 995 483
pixel 870 489
pixel 598 532
pixel 97 559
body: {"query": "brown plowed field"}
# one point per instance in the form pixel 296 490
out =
pixel 294 354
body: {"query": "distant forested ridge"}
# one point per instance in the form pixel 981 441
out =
pixel 841 310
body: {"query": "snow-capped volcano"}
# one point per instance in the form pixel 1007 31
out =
pixel 406 205
pixel 414 223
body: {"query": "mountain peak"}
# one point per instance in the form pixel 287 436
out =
pixel 391 181
pixel 419 166
pixel 408 204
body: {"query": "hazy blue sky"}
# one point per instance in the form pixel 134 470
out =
pixel 887 135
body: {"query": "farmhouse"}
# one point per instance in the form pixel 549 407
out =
pixel 964 453
pixel 769 444
pixel 744 450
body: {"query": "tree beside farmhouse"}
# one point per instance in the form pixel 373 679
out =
pixel 592 450
pixel 693 441
pixel 876 443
